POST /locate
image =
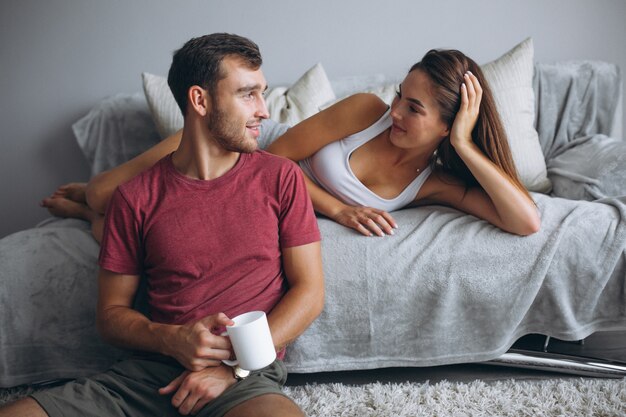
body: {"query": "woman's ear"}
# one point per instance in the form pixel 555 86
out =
pixel 445 133
pixel 199 100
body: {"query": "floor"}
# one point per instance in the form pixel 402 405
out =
pixel 608 346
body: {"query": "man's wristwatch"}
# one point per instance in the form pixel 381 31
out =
pixel 239 373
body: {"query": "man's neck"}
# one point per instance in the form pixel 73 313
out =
pixel 199 156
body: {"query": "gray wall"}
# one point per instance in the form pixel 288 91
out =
pixel 60 57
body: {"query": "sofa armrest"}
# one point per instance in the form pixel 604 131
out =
pixel 589 168
pixel 576 99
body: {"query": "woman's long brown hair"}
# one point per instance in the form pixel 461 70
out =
pixel 446 68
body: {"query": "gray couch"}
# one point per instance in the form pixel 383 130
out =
pixel 446 288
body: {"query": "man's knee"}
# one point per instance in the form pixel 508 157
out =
pixel 26 407
pixel 270 405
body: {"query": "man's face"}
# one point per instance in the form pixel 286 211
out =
pixel 237 107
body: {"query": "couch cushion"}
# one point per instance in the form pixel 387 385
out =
pixel 510 78
pixel 163 107
pixel 117 129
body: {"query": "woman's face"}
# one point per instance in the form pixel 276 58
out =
pixel 415 114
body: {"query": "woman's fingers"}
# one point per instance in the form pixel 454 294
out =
pixel 373 227
pixel 471 92
pixel 378 222
pixel 368 221
pixel 384 221
pixel 363 230
pixel 464 98
pixel 477 87
pixel 389 220
pixel 474 90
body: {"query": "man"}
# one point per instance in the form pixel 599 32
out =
pixel 218 229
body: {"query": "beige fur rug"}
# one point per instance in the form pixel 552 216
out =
pixel 552 397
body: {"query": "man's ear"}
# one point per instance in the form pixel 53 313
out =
pixel 199 100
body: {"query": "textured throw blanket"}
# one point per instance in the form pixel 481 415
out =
pixel 449 288
pixel 48 299
pixel 576 111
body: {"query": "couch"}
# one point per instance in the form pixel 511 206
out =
pixel 446 288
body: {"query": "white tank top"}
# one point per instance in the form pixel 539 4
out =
pixel 330 169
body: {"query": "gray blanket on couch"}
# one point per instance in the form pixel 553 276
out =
pixel 577 111
pixel 449 288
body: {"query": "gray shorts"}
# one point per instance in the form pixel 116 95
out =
pixel 130 387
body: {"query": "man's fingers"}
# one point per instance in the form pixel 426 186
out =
pixel 214 342
pixel 199 405
pixel 210 361
pixel 173 386
pixel 216 320
pixel 219 354
pixel 180 396
pixel 189 404
pixel 168 389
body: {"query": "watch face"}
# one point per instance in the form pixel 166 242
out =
pixel 240 373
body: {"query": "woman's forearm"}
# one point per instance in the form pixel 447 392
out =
pixel 323 202
pixel 517 212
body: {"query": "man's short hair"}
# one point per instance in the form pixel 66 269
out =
pixel 198 62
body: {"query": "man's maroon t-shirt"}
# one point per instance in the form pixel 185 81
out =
pixel 209 246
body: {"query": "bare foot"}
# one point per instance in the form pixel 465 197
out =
pixel 64 207
pixel 74 191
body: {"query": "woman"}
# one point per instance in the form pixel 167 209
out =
pixel 440 142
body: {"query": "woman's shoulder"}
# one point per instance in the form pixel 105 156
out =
pixel 362 104
pixel 344 118
pixel 355 113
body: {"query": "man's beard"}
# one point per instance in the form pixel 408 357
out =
pixel 228 133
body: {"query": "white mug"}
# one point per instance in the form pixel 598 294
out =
pixel 252 341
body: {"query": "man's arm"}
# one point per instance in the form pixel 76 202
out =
pixel 304 299
pixel 193 345
pixel 302 303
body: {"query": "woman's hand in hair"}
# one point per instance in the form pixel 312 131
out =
pixel 366 220
pixel 465 120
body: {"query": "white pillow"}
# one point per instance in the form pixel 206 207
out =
pixel 385 91
pixel 342 86
pixel 303 99
pixel 510 78
pixel 117 129
pixel 288 105
pixel 163 107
